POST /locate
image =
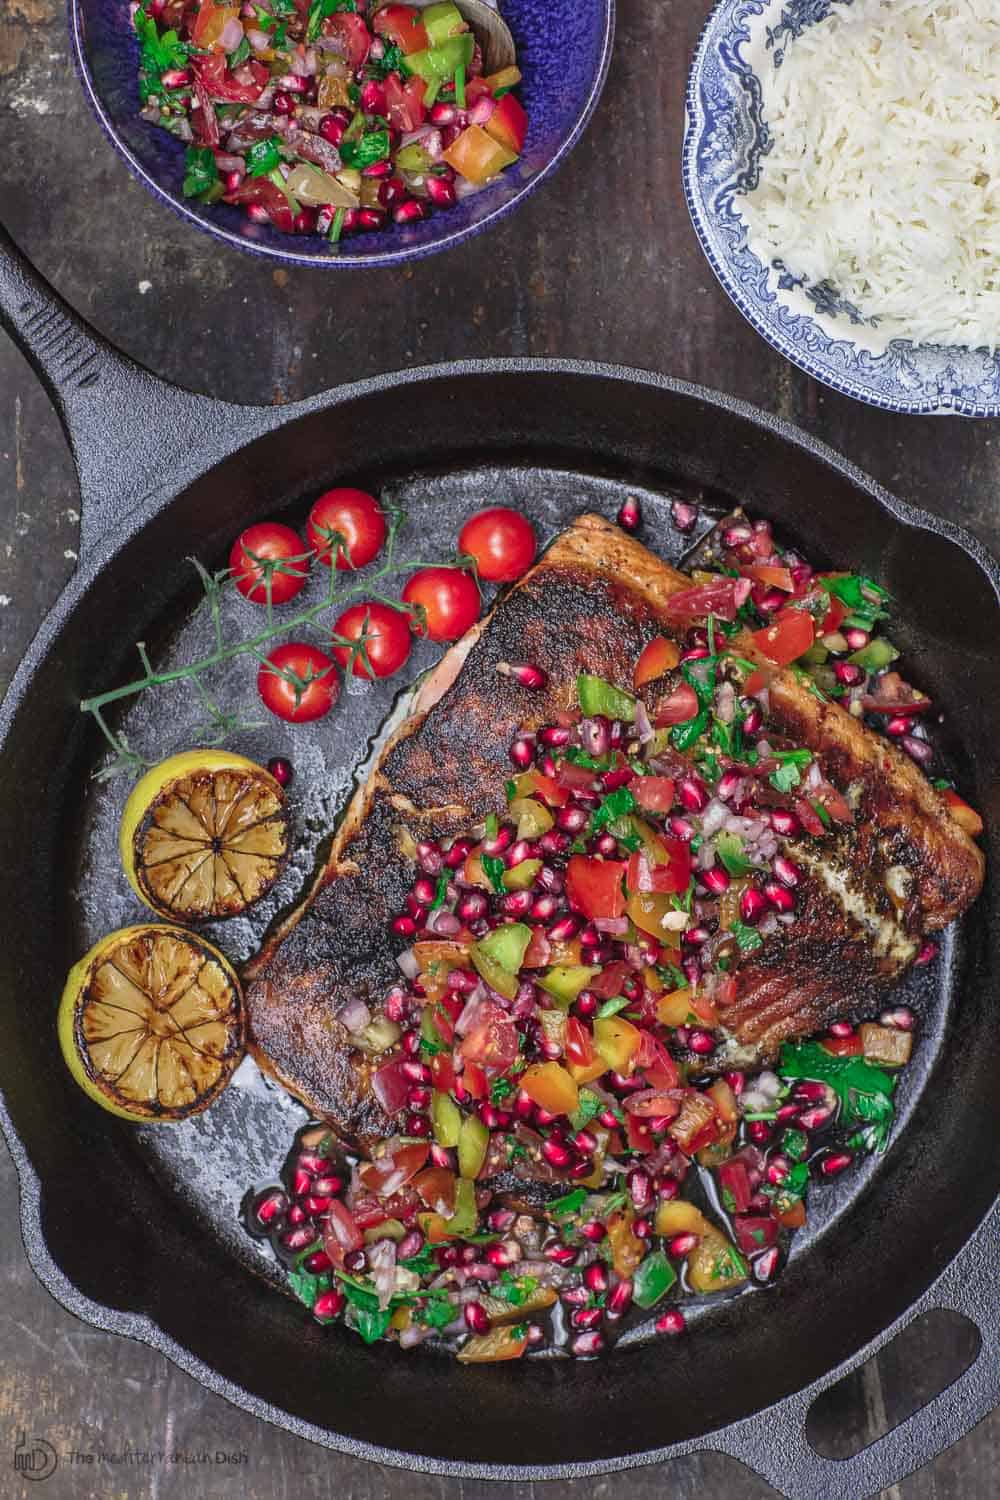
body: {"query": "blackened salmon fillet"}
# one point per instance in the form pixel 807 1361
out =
pixel 590 604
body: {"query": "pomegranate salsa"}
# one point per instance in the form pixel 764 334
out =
pixel 327 116
pixel 580 1142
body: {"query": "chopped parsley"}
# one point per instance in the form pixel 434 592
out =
pixel 318 12
pixel 569 1203
pixel 588 1106
pixel 789 771
pixel 500 1089
pixel 200 172
pixel 264 156
pixel 494 867
pixel 612 1007
pixel 864 1090
pixel 373 146
pixel 863 597
pixel 616 804
pixel 748 939
pixel 441 893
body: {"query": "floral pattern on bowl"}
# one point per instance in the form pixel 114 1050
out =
pixel 725 137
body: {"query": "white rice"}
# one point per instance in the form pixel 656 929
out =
pixel 884 177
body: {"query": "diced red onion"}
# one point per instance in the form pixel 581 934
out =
pixel 354 1016
pixel 258 40
pixel 231 35
pixel 382 1263
pixel 467 1019
pixel 725 703
pixel 443 923
pixel 407 962
pixel 715 817
pixel 613 925
pixel 643 726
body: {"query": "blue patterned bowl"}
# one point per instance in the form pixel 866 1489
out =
pixel 563 47
pixel 725 136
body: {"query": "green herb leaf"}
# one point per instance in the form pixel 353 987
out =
pixel 373 146
pixel 500 1089
pixel 494 867
pixel 612 1007
pixel 863 596
pixel 729 848
pixel 492 825
pixel 264 156
pixel 200 172
pixel 441 891
pixel 239 54
pixel 437 1312
pixel 569 1203
pixel 588 1105
pixel 864 1091
pixel 616 804
pixel 748 939
pixel 790 767
pixel 306 1286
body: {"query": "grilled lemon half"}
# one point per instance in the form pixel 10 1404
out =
pixel 204 835
pixel 151 1023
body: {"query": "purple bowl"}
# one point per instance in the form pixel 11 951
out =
pixel 561 86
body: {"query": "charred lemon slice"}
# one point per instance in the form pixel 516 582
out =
pixel 204 835
pixel 151 1023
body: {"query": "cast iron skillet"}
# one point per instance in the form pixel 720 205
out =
pixel 135 1231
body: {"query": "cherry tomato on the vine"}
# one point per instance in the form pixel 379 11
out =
pixel 357 517
pixel 449 598
pixel 502 541
pixel 388 638
pixel 309 687
pixel 266 542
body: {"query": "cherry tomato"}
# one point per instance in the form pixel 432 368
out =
pixel 771 576
pixel 502 541
pixel 594 886
pixel 681 705
pixel 359 520
pixel 388 639
pixel 276 543
pixel 316 691
pixel 787 637
pixel 449 598
pixel 658 657
pixel 654 793
pixel 403 26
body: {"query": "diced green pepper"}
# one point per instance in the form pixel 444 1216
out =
pixel 413 158
pixel 506 945
pixel 473 1142
pixel 596 696
pixel 495 975
pixel 466 1216
pixel 565 981
pixel 439 64
pixel 654 1276
pixel 446 1119
pixel 442 22
pixel 877 655
pixel 521 876
pixel 429 1031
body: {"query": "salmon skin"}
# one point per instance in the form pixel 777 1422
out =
pixel 590 604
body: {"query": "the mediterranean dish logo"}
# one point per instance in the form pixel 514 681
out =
pixel 34 1458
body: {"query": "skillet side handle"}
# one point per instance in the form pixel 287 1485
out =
pixel 134 438
pixel 774 1444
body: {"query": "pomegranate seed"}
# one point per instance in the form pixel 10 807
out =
pixel 557 1156
pixel 587 1344
pixel 696 653
pixel 371 218
pixel 562 1255
pixel 701 1043
pixel 281 770
pixel 778 1169
pixel 318 1262
pixel 692 794
pixel 441 1156
pixel 415 910
pixel 177 78
pixel 297 83
pixel 553 843
pixel 667 1189
pixel 270 1208
pixel 544 908
pixel 332 129
pixel 811 1093
pixel 788 873
pixel 585 1142
pixel 373 100
pixel 682 515
pixel 459 852
pixel 736 536
pixel 564 929
pixel 620 1299
pixel 554 735
pixel 605 844
pixel 815 1118
pixel 786 1114
pixel 692 969
pixel 522 753
pixel 257 213
pixel 927 952
pixel 442 194
pixel 764 1266
pixel 411 1244
pixel 785 823
pixel 630 515
pixel 682 1244
pixel 681 829
pixel 848 673
pixel 282 103
pixel 897 726
pixel 499 1221
pixel 729 784
pixel 418 1098
pixel 715 880
pixel 779 896
pixel 753 905
pixel 404 927
pixel 916 749
pixel 593 1230
pixel 595 1278
pixel 442 114
pixel 841 1029
pixel 759 1132
pixel 901 1018
pixel 524 1106
pixel 855 637
pixel 586 1317
pixel 328 1304
pixel 411 1043
pixel 520 850
pixel 301 1183
pixel 476 1318
pixel 642 1229
pixel 298 1239
pixel 672 1322
pixel 736 1081
pixel 297 1214
pixel 409 212
pixel 518 903
pixel 837 1162
pixel 418 1125
pixel 524 673
pixel 470 907
pixel 416 1071
pixel 328 1187
pixel 571 819
pixel 502 840
pixel 424 890
pixel 753 722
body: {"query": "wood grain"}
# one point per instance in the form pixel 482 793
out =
pixel 601 264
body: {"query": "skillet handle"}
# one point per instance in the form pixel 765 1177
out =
pixel 135 439
pixel 774 1444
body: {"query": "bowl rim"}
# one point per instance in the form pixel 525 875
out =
pixel 324 259
pixel 954 405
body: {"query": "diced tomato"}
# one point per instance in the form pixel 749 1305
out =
pixel 205 121
pixel 549 790
pixel 655 1062
pixel 388 1173
pixel 446 1012
pixel 965 816
pixel 836 805
pixel 442 1071
pixel 402 25
pixel 574 777
pixel 508 124
pixel 492 1043
pixel 772 577
pixel 474 1081
pixel 476 88
pixel 834 617
pixel 579 1043
pixel 844 1046
pixel 794 1217
pixel 669 878
pixel 476 156
pixel 658 656
pixel 809 818
pixel 790 634
pixel 755 1232
pixel 538 952
pixel 211 21
pixel 391 1085
pixel 755 682
pixel 722 598
pixel 735 1179
pixel 405 102
pixel 244 86
pixel 637 1131
pixel 654 793
pixel 436 1187
pixel 609 981
pixel 341 1234
pixel 652 1104
pixel 697 1124
pixel 594 886
pixel 680 706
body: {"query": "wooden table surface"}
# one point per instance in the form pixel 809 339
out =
pixel 602 264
